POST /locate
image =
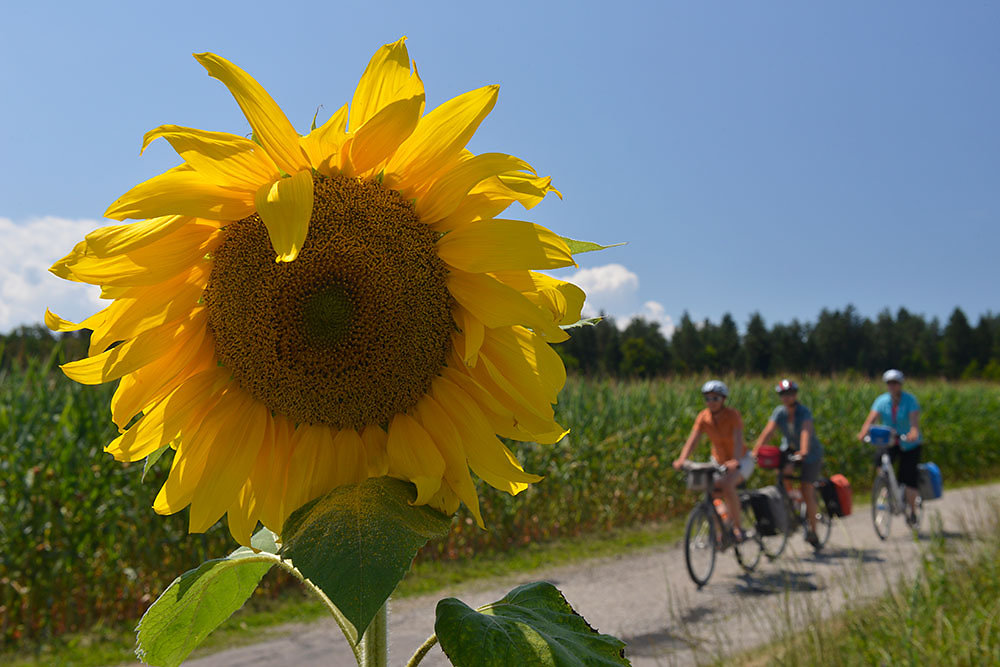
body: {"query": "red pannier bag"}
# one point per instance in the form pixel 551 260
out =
pixel 768 457
pixel 843 488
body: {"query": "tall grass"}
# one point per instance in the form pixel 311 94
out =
pixel 80 543
pixel 949 614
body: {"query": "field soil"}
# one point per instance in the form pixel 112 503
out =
pixel 646 598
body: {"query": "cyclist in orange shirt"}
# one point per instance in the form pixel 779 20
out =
pixel 724 428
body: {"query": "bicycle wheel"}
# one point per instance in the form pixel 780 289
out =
pixel 824 521
pixel 699 545
pixel 748 553
pixel 881 507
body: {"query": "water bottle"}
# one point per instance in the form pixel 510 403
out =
pixel 720 507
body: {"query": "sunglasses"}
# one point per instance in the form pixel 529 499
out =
pixel 713 399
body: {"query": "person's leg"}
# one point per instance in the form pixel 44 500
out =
pixel 727 485
pixel 809 495
pixel 909 475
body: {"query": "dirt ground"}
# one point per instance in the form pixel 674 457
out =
pixel 647 599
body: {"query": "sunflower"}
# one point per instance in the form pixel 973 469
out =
pixel 295 313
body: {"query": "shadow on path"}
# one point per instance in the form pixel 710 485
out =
pixel 773 583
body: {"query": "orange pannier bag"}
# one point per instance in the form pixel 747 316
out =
pixel 843 489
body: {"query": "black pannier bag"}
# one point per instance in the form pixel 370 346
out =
pixel 769 510
pixel 828 490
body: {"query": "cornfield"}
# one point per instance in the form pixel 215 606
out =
pixel 79 542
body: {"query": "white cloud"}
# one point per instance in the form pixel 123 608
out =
pixel 614 289
pixel 653 311
pixel 26 286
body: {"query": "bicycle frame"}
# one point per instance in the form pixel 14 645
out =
pixel 897 503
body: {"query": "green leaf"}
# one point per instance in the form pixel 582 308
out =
pixel 583 322
pixel 356 543
pixel 531 625
pixel 198 601
pixel 151 461
pixel 577 247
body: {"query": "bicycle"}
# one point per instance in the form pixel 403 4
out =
pixel 888 495
pixel 706 533
pixel 795 512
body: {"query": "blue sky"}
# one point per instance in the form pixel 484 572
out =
pixel 756 156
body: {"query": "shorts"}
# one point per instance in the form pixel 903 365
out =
pixel 809 471
pixel 747 464
pixel 907 470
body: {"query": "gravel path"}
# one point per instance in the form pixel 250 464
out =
pixel 647 599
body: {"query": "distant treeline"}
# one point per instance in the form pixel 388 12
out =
pixel 839 341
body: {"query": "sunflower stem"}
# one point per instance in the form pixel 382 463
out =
pixel 419 654
pixel 375 641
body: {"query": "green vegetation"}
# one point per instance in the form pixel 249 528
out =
pixel 948 615
pixel 79 544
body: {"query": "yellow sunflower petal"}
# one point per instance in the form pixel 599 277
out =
pixel 439 426
pixel 413 456
pixel 140 389
pixel 326 139
pixel 439 136
pixel 497 305
pixel 118 239
pixel 148 307
pixel 384 132
pixel 386 79
pixel 492 196
pixel 528 361
pixel 224 159
pixel 351 465
pixel 503 245
pixel 270 125
pixel 563 299
pixel 154 263
pixel 193 450
pixel 136 353
pixel 488 457
pixel 233 455
pixel 312 466
pixel 472 331
pixel 274 483
pixel 285 207
pixel 449 190
pixel 181 192
pixel 375 439
pixel 56 323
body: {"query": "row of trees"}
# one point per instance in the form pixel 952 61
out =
pixel 839 341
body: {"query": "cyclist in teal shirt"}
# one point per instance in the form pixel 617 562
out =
pixel 900 411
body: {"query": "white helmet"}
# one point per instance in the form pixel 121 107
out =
pixel 715 387
pixel 892 375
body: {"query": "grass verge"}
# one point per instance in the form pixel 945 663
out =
pixel 949 614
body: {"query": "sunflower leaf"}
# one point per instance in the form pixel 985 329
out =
pixel 531 625
pixel 356 543
pixel 199 600
pixel 583 322
pixel 151 461
pixel 577 247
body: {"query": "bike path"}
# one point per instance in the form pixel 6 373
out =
pixel 646 598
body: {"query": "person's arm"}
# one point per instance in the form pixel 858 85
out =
pixel 739 449
pixel 688 446
pixel 914 434
pixel 808 430
pixel 764 436
pixel 872 416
